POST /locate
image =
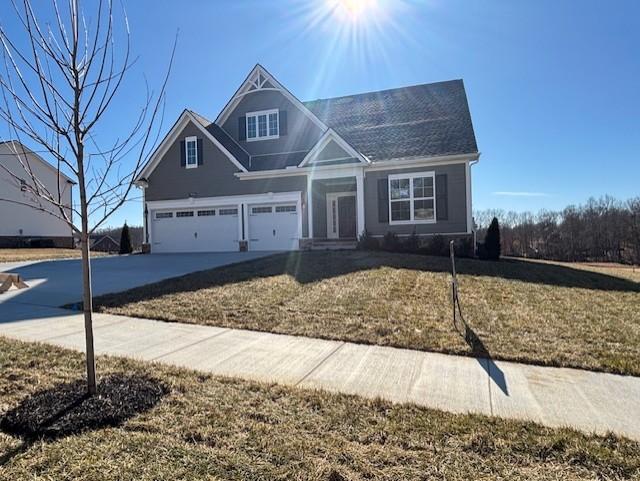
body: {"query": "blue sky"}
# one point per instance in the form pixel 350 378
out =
pixel 553 85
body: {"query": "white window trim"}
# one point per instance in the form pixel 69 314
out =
pixel 411 199
pixel 186 152
pixel 256 114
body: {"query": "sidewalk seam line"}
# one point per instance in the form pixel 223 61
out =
pixel 79 331
pixel 322 361
pixel 225 330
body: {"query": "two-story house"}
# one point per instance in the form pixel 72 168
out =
pixel 274 173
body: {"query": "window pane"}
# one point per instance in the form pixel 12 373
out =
pixel 261 210
pixel 228 212
pixel 286 208
pixel 251 127
pixel 273 123
pixel 191 152
pixel 262 125
pixel 423 210
pixel 401 210
pixel 399 188
pixel 423 187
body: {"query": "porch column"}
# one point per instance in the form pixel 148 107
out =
pixel 310 205
pixel 360 202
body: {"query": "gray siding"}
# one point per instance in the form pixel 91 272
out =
pixel 302 132
pixel 457 202
pixel 320 191
pixel 214 178
pixel 332 151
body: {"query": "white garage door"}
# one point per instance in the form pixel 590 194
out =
pixel 208 229
pixel 273 227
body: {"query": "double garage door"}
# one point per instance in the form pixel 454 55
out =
pixel 219 229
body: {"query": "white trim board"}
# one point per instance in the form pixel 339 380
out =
pixel 250 81
pixel 327 137
pixel 318 170
pixel 224 200
pixel 172 136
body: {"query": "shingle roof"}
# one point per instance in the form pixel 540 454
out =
pixel 422 120
pixel 419 121
pixel 224 138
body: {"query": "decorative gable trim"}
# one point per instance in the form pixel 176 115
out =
pixel 327 137
pixel 172 136
pixel 260 80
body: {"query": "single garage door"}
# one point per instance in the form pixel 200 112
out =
pixel 273 227
pixel 210 229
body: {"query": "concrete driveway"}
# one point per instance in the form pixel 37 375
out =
pixel 59 282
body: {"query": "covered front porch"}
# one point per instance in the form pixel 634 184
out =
pixel 336 205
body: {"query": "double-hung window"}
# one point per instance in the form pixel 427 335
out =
pixel 412 198
pixel 191 154
pixel 263 125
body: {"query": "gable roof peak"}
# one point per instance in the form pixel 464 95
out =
pixel 259 78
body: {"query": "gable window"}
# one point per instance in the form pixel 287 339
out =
pixel 263 125
pixel 412 198
pixel 191 154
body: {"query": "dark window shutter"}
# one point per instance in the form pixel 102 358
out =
pixel 242 128
pixel 282 115
pixel 183 154
pixel 199 151
pixel 383 200
pixel 442 198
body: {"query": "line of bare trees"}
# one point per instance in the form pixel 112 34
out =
pixel 604 229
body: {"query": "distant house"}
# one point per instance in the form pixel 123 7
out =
pixel 105 243
pixel 274 173
pixel 21 224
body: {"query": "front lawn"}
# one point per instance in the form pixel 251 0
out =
pixel 37 254
pixel 546 313
pixel 181 425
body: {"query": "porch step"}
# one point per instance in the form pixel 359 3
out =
pixel 333 245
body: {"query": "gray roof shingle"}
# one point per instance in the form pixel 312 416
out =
pixel 418 121
pixel 422 120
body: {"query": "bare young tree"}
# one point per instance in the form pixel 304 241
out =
pixel 59 78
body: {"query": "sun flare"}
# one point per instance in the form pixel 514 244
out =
pixel 354 10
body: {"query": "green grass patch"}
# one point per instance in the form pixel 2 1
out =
pixel 535 312
pixel 204 427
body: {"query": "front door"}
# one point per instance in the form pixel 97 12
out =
pixel 347 217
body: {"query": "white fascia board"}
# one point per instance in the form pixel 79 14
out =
pixel 243 90
pixel 198 202
pixel 172 136
pixel 421 161
pixel 317 170
pixel 327 137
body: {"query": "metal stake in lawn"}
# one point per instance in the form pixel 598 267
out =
pixel 455 301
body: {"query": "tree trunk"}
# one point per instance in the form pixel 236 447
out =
pixel 88 310
pixel 87 298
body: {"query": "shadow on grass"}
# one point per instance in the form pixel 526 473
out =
pixel 66 409
pixel 309 267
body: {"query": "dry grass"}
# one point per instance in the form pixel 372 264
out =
pixel 546 313
pixel 217 428
pixel 20 255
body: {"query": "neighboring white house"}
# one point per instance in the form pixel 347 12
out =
pixel 20 223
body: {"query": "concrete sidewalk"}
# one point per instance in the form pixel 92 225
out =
pixel 591 402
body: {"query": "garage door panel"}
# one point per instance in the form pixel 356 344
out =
pixel 203 230
pixel 273 227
